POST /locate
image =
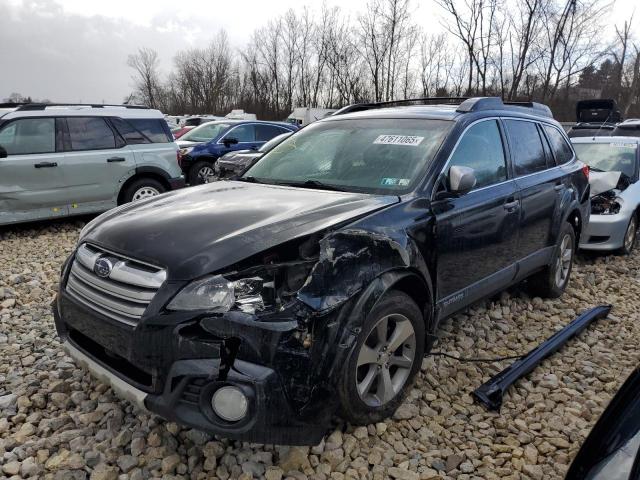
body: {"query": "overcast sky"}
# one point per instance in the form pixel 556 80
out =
pixel 76 50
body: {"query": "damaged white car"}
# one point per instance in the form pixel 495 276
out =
pixel 615 192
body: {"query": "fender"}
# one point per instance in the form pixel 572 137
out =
pixel 348 324
pixel 568 203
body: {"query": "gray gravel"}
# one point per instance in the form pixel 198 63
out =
pixel 58 423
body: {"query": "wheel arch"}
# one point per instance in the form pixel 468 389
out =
pixel 139 175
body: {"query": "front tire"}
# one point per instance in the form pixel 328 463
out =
pixel 141 189
pixel 384 361
pixel 201 172
pixel 553 280
pixel 629 237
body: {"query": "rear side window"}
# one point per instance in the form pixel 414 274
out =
pixel 561 149
pixel 29 136
pixel 265 133
pixel 526 147
pixel 90 133
pixel 152 128
pixel 481 149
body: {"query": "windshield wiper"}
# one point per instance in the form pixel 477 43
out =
pixel 594 169
pixel 314 184
pixel 249 179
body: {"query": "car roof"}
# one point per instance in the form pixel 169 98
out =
pixel 618 139
pixel 238 122
pixel 122 111
pixel 445 108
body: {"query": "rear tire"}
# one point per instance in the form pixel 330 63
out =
pixel 141 189
pixel 201 172
pixel 553 280
pixel 629 237
pixel 384 361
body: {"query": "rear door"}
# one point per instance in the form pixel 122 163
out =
pixel 96 162
pixel 541 186
pixel 31 182
pixel 476 233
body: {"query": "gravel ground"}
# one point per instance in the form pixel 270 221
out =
pixel 58 423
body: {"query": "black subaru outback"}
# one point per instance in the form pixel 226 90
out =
pixel 311 286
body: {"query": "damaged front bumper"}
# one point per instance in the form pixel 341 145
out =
pixel 605 232
pixel 173 366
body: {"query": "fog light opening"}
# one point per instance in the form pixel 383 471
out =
pixel 230 403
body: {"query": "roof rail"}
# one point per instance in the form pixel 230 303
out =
pixel 12 104
pixel 43 106
pixel 465 105
pixel 358 107
pixel 496 103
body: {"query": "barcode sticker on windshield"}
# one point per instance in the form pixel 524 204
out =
pixel 624 145
pixel 398 140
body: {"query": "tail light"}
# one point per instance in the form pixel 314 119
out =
pixel 179 158
pixel 585 171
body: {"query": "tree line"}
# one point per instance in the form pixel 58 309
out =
pixel 551 51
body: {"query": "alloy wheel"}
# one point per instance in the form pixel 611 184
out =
pixel 563 262
pixel 206 174
pixel 144 192
pixel 630 235
pixel 385 360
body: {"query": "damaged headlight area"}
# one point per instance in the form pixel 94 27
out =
pixel 216 294
pixel 267 287
pixel 606 203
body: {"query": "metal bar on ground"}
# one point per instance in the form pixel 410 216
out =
pixel 491 392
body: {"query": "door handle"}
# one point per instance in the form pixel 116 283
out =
pixel 46 165
pixel 559 187
pixel 511 206
pixel 115 159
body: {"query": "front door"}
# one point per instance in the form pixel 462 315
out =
pixel 31 182
pixel 476 233
pixel 244 136
pixel 95 164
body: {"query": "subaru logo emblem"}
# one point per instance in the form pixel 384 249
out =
pixel 102 267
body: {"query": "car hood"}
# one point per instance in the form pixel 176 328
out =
pixel 240 155
pixel 200 230
pixel 188 143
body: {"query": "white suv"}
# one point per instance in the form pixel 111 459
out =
pixel 59 160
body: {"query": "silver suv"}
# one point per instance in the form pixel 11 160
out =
pixel 61 160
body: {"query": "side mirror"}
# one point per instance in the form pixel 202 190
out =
pixel 461 179
pixel 230 141
pixel 3 152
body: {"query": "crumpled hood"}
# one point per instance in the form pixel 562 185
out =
pixel 199 230
pixel 603 181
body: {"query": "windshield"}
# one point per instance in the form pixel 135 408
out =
pixel 205 132
pixel 366 155
pixel 609 157
pixel 273 142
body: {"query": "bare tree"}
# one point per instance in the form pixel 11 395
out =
pixel 147 77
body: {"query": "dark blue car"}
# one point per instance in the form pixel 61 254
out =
pixel 202 146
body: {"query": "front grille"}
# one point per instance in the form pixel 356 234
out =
pixel 123 294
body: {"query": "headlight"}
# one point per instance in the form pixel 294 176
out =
pixel 606 204
pixel 216 294
pixel 185 151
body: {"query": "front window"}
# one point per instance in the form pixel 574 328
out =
pixel 205 133
pixel 609 157
pixel 29 136
pixel 372 156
